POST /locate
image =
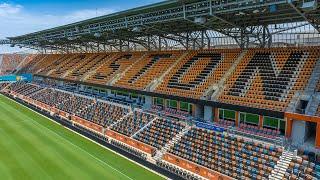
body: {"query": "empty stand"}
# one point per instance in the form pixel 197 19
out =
pixel 10 62
pixel 75 104
pixel 301 168
pixel 160 132
pixel 51 97
pixel 103 113
pixel 199 70
pixel 21 68
pixel 49 63
pixel 268 78
pixel 113 66
pixel 141 74
pixel 29 63
pixel 44 61
pixel 3 85
pixel 23 88
pixel 227 154
pixel 87 66
pixel 133 123
pixel 67 66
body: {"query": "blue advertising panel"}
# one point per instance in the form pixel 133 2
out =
pixel 14 78
pixel 209 126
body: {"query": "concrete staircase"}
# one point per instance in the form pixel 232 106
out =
pixel 215 91
pixel 94 68
pixel 154 84
pixel 145 126
pixel 120 75
pixel 121 119
pixel 308 94
pixel 85 108
pixel 312 106
pixel 36 91
pixel 3 89
pixel 66 73
pixel 21 64
pixel 294 78
pixel 314 79
pixel 292 106
pixel 282 165
pixel 50 72
pixel 177 138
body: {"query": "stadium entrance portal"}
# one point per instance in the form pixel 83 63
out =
pixel 311 130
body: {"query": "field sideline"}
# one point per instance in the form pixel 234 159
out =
pixel 32 147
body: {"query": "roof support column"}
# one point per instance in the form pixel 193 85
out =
pixel 159 43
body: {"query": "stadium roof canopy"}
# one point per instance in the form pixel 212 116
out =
pixel 179 23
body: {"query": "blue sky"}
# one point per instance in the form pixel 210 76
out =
pixel 18 17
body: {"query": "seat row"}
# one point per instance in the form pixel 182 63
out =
pixel 24 88
pixel 75 104
pixel 3 85
pixel 51 97
pixel 227 154
pixel 197 71
pixel 268 78
pixel 150 67
pixel 117 64
pixel 160 132
pixel 9 63
pixel 300 168
pixel 133 123
pixel 103 113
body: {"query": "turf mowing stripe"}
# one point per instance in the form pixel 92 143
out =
pixel 83 150
pixel 83 146
pixel 54 133
pixel 39 145
pixel 40 132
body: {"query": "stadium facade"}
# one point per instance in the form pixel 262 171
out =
pixel 204 89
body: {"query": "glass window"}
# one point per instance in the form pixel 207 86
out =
pixel 229 114
pixel 159 101
pixel 173 104
pixel 270 122
pixel 184 106
pixel 252 118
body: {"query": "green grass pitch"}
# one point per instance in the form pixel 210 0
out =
pixel 33 147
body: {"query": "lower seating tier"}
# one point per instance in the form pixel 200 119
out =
pixel 228 154
pixel 133 123
pixel 160 132
pixel 103 113
pixel 24 88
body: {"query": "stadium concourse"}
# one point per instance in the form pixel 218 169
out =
pixel 159 83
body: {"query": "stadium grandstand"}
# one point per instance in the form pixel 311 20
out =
pixel 205 89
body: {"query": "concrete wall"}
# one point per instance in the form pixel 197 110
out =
pixel 208 113
pixel 198 111
pixel 298 132
pixel 148 102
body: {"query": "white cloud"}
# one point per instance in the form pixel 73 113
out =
pixel 9 9
pixel 14 20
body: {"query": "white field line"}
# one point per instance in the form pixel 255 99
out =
pixel 89 140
